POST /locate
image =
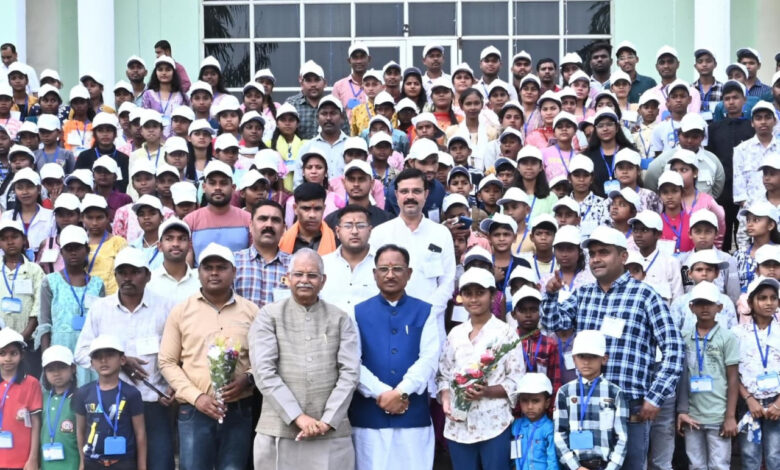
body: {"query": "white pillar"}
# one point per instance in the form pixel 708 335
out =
pixel 712 30
pixel 13 26
pixel 96 42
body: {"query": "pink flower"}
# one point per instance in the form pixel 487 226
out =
pixel 487 357
pixel 474 373
pixel 460 379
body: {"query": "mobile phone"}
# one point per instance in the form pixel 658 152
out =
pixel 465 221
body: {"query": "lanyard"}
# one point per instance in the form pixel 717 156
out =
pixel 149 156
pixel 26 227
pixel 508 271
pixel 693 204
pixel 368 111
pixel 84 135
pixel 159 98
pixel 585 399
pixel 527 122
pixel 2 403
pixel 533 203
pixel 705 97
pixel 526 449
pixel 571 154
pixel 763 354
pixel 46 156
pixel 522 240
pixel 53 429
pixel 11 286
pixel 80 302
pixel 156 252
pixel 115 422
pixel 701 351
pixel 647 269
pixel 628 234
pixel 677 232
pixel 92 263
pixel 352 89
pixel 646 149
pixel 749 273
pixel 536 265
pixel 610 169
pixel 561 350
pixel 531 367
pixel 571 284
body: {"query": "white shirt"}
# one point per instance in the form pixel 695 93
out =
pixel 665 136
pixel 164 285
pixel 748 180
pixel 139 330
pixel 345 287
pixel 428 82
pixel 41 227
pixel 334 154
pixel 32 77
pixel 483 87
pixel 664 275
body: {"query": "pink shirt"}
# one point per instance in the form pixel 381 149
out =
pixel 693 107
pixel 556 161
pixel 126 222
pixel 333 202
pixel 706 201
pixel 377 191
pixel 347 89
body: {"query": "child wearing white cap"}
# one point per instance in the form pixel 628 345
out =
pixel 628 170
pixel 37 220
pixel 707 393
pixel 594 209
pixel 532 434
pixel 623 206
pixel 105 173
pixel 558 155
pixel 149 211
pixel 662 269
pixel 543 229
pixel 676 220
pixel 144 182
pixel 762 228
pixel 66 212
pixel 768 265
pixel 59 444
pixel 571 266
pixel 361 114
pixel 50 134
pixel 103 245
pixel 152 134
pixel 643 135
pixel 591 413
pixel 703 266
pixel 21 287
pixel 770 169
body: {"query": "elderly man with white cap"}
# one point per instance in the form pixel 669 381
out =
pixel 138 316
pixel 215 426
pixel 635 320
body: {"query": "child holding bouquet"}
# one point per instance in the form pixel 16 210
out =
pixel 478 373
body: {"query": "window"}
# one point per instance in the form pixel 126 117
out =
pixel 247 35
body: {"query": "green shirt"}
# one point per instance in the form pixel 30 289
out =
pixel 64 431
pixel 722 350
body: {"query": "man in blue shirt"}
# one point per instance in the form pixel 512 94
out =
pixel 424 156
pixel 627 60
pixel 751 59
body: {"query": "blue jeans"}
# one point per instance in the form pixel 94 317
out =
pixel 769 446
pixel 204 444
pixel 159 437
pixel 492 454
pixel 638 439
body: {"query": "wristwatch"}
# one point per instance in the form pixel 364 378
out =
pixel 404 396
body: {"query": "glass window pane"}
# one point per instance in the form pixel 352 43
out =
pixel 587 17
pixel 432 19
pixel 234 59
pixel 581 47
pixel 484 18
pixel 538 48
pixel 226 21
pixel 384 54
pixel 536 18
pixel 281 21
pixel 379 19
pixel 327 20
pixel 470 53
pixel 331 56
pixel 283 58
pixel 417 60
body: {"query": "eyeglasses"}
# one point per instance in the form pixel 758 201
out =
pixel 397 270
pixel 307 276
pixel 350 226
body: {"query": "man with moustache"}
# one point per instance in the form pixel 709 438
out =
pixel 305 360
pixel 261 268
pixel 218 222
pixel 136 72
pixel 423 156
pixel 175 278
pixel 329 142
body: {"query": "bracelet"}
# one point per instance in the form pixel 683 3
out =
pixel 775 406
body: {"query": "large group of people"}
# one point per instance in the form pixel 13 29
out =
pixel 576 269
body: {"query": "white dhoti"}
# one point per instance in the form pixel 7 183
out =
pixel 393 448
pixel 277 453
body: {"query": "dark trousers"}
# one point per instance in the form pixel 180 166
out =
pixel 91 464
pixel 159 437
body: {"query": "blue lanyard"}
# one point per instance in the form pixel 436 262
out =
pixel 80 302
pixel 92 263
pixel 536 265
pixel 149 156
pixel 27 227
pixel 561 350
pixel 646 149
pixel 571 154
pixel 527 122
pixel 115 423
pixel 705 97
pixel 53 429
pixel 693 204
pixel 571 284
pixel 11 286
pixel 533 203
pixel 628 234
pixel 46 156
pixel 159 98
pixel 507 273
pixel 610 170
pixel 677 232
pixel 528 364
pixel 647 269
pixel 584 400
pixel 522 240
pixel 352 89
pixel 2 403
pixel 526 449
pixel 84 135
pixel 763 354
pixel 701 351
pixel 749 274
pixel 156 252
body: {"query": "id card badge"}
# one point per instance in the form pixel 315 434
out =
pixel 166 121
pixel 53 451
pixel 30 254
pixel 667 247
pixel 568 360
pixel 707 115
pixel 114 445
pixel 433 214
pixel 281 294
pixel 630 117
pixel 6 440
pixel 563 294
pixel 77 323
pixel 581 440
pixel 11 305
pixel 768 381
pixel 613 327
pixel 516 448
pixel 74 139
pixel 702 383
pixel 611 185
pixel 50 255
pixel 148 345
pixel 459 314
pixel 23 286
pixel 646 163
pixel 352 103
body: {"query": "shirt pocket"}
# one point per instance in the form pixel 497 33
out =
pixel 607 413
pixel 432 266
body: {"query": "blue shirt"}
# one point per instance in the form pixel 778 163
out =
pixel 541 447
pixel 432 203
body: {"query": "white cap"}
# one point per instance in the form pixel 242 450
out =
pixel 761 209
pixel 446 159
pixel 286 108
pixel 220 251
pixel 605 235
pixel 52 171
pixel 430 47
pixel 253 85
pixel 148 200
pixel 150 115
pixel 707 257
pixel 6 90
pixel 514 194
pixel 360 165
pixel 530 78
pixel 216 166
pixel 458 170
pixel 405 103
pixel 569 203
pixel 497 83
pixel 500 161
pixel 73 234
pixel 249 178
pixel 478 276
pixel 692 121
pixel 200 85
pixel 106 163
pixel 27 174
pixel 83 175
pixel 526 292
pixel 130 255
pixel 578 75
pixel 762 106
pixel 142 165
pixel 452 199
pixel 567 92
pixel 568 234
pixel 775 78
pixel 265 73
pixel 488 51
pixel 57 353
pixel 522 55
pixel 380 137
pixel 123 85
pixel 355 143
pixel 534 382
pixel 557 179
pixel 94 76
pixel 625 45
pixel 173 222
pixel 228 103
pixel 175 144
pixel 571 58
pixel 225 141
pixel 635 257
pixel 703 215
pixel 628 194
pixel 738 66
pixel 605 113
pixel 210 61
pixel 667 50
pixel 618 75
pixel 184 112
pixel 771 160
pixel 442 82
pixel 705 290
pixel 648 96
pixel 376 75
pixel 425 117
pixel 422 149
pixel 581 162
pixel 110 119
pixel 766 253
pixel 67 201
pixel 358 46
pixel 136 113
pixel 391 65
pixel 649 219
pixel 28 126
pixel 311 67
pixel 748 51
pixel 9 336
pixel 251 116
pixel 332 100
pixel 184 191
pixel 498 219
pixel 685 156
pixel 670 177
pixel 564 116
pixel 93 200
pixel 18 148
pixel 383 120
pixel 135 58
pixel 589 342
pixel 267 159
pixel 628 155
pixel 511 131
pixel 730 83
pixel 525 273
pixel 477 252
pixel 11 224
pixel 200 125
pixel 106 342
pixel 679 83
pixel 463 67
pixel 544 219
pixel 548 95
pixel 49 73
pixel 758 282
pixel 383 97
pixel 48 122
pixel 489 179
pixel 46 89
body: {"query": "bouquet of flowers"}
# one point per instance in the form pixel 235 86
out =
pixel 476 374
pixel 222 356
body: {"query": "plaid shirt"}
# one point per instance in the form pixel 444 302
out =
pixel 308 125
pixel 746 267
pixel 606 417
pixel 714 94
pixel 547 361
pixel 255 279
pixel 648 324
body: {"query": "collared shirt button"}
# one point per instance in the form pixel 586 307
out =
pixel 308 338
pixel 394 351
pixel 394 331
